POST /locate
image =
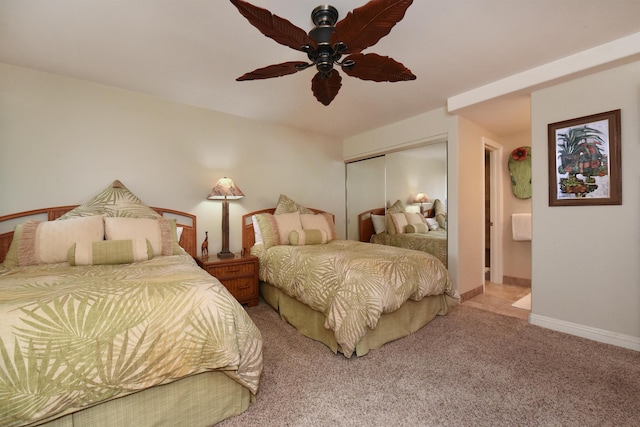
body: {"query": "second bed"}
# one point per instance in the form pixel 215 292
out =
pixel 350 295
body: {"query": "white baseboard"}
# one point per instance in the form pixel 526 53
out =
pixel 600 335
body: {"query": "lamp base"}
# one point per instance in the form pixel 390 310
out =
pixel 226 254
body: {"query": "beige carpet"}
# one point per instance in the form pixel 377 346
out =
pixel 469 368
pixel 524 302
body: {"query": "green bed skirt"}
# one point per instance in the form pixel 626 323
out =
pixel 412 316
pixel 200 400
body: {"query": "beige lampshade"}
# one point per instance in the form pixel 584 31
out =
pixel 421 198
pixel 225 188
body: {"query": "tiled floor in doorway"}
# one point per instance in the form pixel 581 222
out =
pixel 498 299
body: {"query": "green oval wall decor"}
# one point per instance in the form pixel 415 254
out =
pixel 520 172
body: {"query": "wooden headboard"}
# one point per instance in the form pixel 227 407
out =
pixel 183 219
pixel 365 224
pixel 248 234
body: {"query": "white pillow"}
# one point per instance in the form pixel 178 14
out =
pixel 432 223
pixel 257 233
pixel 379 223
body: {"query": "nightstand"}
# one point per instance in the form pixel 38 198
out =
pixel 238 274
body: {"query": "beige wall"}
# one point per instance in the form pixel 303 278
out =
pixel 62 140
pixel 471 203
pixel 586 260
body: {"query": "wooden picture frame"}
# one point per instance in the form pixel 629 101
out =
pixel 584 161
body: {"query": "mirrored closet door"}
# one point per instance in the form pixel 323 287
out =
pixel 378 182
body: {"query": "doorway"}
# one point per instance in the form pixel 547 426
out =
pixel 487 214
pixel 493 213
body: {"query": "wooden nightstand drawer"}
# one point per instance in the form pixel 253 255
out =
pixel 238 274
pixel 242 289
pixel 233 270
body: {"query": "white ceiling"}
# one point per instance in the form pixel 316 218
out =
pixel 191 51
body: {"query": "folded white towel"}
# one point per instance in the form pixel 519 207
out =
pixel 521 226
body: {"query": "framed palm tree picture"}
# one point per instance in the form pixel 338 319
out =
pixel 584 161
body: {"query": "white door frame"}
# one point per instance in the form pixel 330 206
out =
pixel 496 174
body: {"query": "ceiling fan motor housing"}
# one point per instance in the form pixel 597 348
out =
pixel 324 15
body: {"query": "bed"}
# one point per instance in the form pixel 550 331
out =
pixel 351 296
pixel 431 239
pixel 89 342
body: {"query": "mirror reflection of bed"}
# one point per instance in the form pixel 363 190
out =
pixel 395 226
pixel 376 184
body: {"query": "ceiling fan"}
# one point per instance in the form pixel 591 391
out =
pixel 329 40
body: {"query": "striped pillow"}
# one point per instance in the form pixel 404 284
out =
pixel 110 252
pixel 417 228
pixel 307 237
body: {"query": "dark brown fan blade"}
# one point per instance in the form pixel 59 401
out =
pixel 277 70
pixel 272 26
pixel 325 89
pixel 366 25
pixel 378 68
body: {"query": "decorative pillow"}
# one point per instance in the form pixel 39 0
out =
pixel 114 201
pixel 332 234
pixel 432 223
pixel 420 227
pixel 175 233
pixel 319 222
pixel 269 230
pixel 286 205
pixel 379 223
pixel 414 218
pixel 399 222
pixel 440 213
pixel 287 222
pixel 37 242
pixel 160 232
pixel 397 207
pixel 11 258
pixel 110 252
pixel 307 237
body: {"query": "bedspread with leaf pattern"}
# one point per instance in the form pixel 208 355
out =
pixel 353 283
pixel 71 337
pixel 434 242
